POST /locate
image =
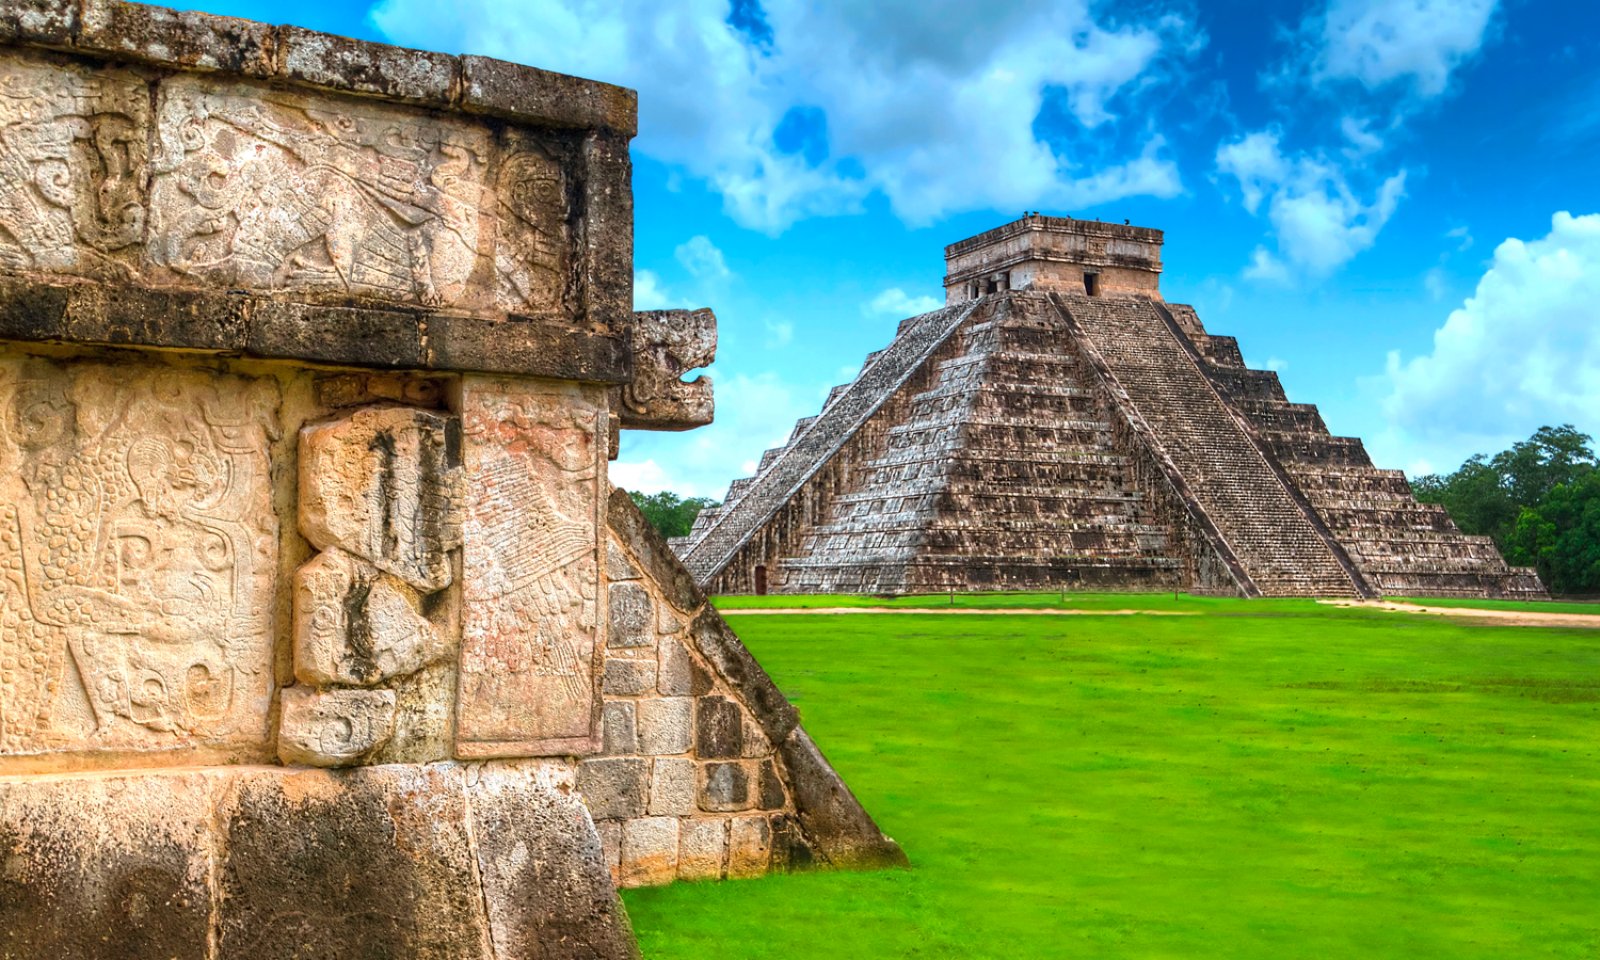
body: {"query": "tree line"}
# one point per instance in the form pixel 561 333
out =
pixel 671 515
pixel 1539 501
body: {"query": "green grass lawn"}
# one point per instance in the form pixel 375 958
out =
pixel 1535 606
pixel 1275 780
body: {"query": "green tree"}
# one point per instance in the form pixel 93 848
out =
pixel 1539 501
pixel 1561 536
pixel 671 515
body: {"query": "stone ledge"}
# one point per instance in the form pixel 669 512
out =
pixel 184 40
pixel 262 327
pixel 476 862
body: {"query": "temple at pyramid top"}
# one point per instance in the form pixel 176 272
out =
pixel 1059 425
pixel 1057 254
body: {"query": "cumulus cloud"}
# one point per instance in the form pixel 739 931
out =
pixel 648 293
pixel 795 108
pixel 703 260
pixel 1414 44
pixel 897 304
pixel 1523 351
pixel 1319 220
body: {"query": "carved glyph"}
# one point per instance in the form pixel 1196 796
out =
pixel 355 624
pixel 333 728
pixel 72 167
pixel 531 262
pixel 276 190
pixel 382 483
pixel 534 461
pixel 139 547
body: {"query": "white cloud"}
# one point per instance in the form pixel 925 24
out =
pixel 1522 352
pixel 1318 220
pixel 928 102
pixel 648 293
pixel 895 303
pixel 1415 43
pixel 754 412
pixel 703 260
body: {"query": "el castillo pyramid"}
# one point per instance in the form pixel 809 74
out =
pixel 1057 425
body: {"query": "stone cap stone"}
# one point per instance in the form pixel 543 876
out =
pixel 185 40
pixel 184 181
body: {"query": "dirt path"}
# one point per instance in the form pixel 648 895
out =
pixel 1007 611
pixel 1512 618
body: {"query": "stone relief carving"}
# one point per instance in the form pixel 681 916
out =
pixel 276 190
pixel 334 728
pixel 383 484
pixel 534 472
pixel 531 252
pixel 666 345
pixel 139 547
pixel 72 167
pixel 355 624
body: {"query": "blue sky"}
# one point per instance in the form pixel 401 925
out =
pixel 1395 203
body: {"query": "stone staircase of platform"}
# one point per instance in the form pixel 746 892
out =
pixel 1403 547
pixel 1002 475
pixel 716 539
pixel 1273 535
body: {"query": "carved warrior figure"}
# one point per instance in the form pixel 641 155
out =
pixel 273 192
pixel 137 547
pixel 72 165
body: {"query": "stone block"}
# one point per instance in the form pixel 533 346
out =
pixel 718 729
pixel 333 728
pixel 727 654
pixel 629 678
pixel 355 624
pixel 610 832
pixel 655 558
pixel 649 851
pixel 632 616
pixel 618 566
pixel 534 459
pixel 507 89
pixel 316 862
pixel 680 675
pixel 39 21
pixel 197 41
pixel 672 787
pixel 390 72
pixel 383 483
pixel 756 743
pixel 771 792
pixel 614 788
pixel 150 544
pixel 725 787
pixel 666 726
pixel 749 847
pixel 546 882
pixel 106 868
pixel 702 849
pixel 619 726
pixel 428 861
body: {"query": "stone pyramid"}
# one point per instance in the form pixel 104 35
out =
pixel 1057 425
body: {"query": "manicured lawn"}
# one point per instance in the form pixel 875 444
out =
pixel 1533 606
pixel 1263 780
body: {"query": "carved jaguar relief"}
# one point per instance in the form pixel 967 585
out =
pixel 137 555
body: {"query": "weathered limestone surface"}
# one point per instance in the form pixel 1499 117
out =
pixel 302 195
pixel 139 549
pixel 1057 425
pixel 318 636
pixel 535 472
pixel 707 773
pixel 483 861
